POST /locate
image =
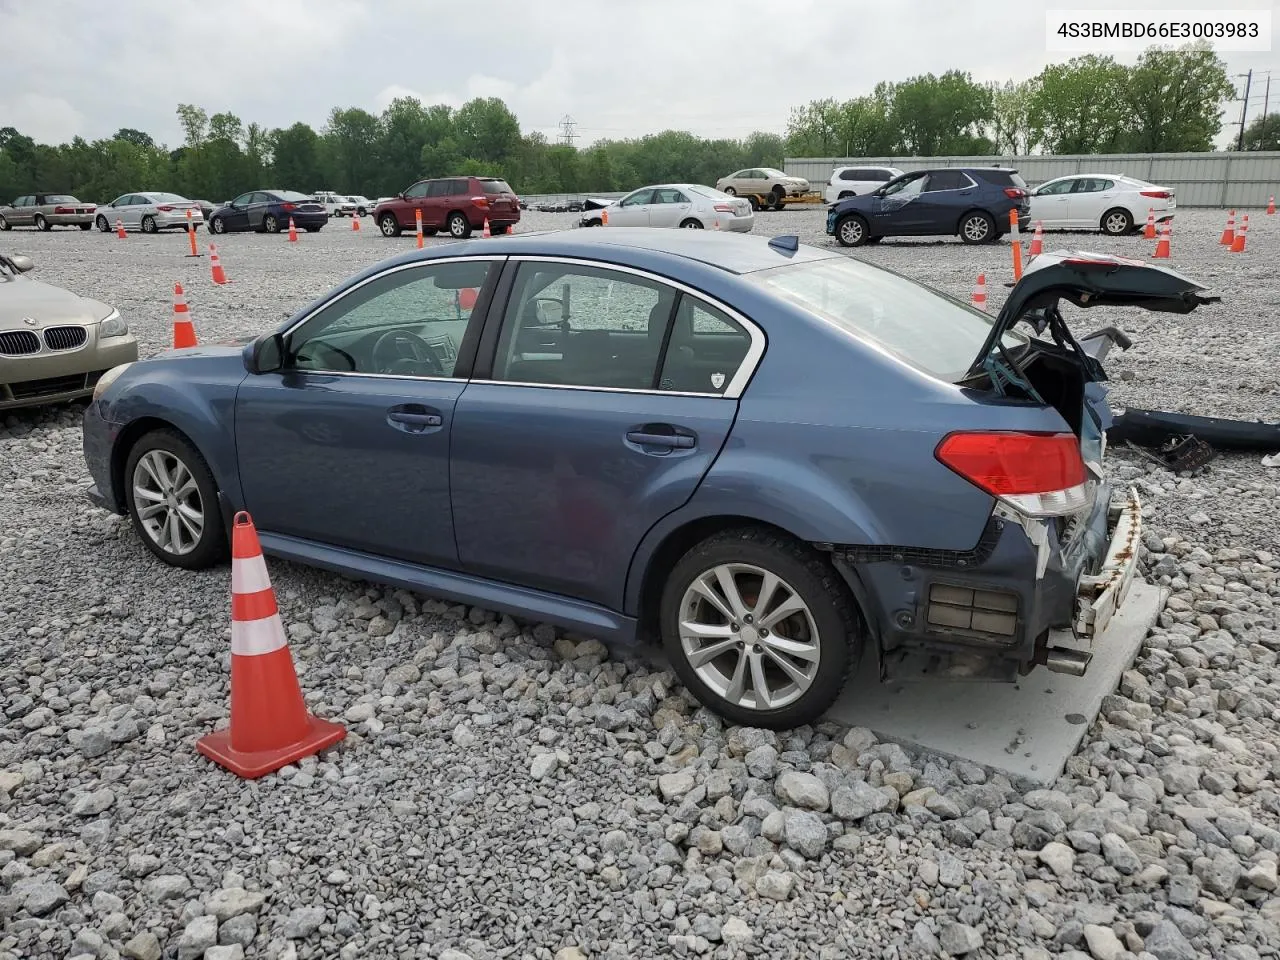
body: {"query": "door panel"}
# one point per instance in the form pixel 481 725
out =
pixel 550 492
pixel 1091 198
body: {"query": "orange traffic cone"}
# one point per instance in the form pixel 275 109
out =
pixel 1271 206
pixel 980 292
pixel 604 218
pixel 1150 231
pixel 417 215
pixel 293 232
pixel 1163 244
pixel 184 331
pixel 1229 234
pixel 355 223
pixel 120 229
pixel 1037 240
pixel 270 725
pixel 1237 245
pixel 191 234
pixel 215 265
pixel 1016 239
pixel 486 232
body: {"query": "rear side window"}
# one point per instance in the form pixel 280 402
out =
pixel 947 180
pixel 496 186
pixel 705 350
pixel 1002 178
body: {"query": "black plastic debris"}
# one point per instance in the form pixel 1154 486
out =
pixel 1180 455
pixel 1154 428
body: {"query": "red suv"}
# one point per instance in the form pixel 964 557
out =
pixel 456 205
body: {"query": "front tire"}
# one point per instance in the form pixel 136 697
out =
pixel 851 230
pixel 760 628
pixel 730 191
pixel 1116 223
pixel 173 501
pixel 389 225
pixel 459 226
pixel 977 227
pixel 4 224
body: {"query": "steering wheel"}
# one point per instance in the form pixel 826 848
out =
pixel 398 351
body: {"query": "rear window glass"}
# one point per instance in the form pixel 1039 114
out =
pixel 60 198
pixel 295 197
pixel 920 326
pixel 496 186
pixel 169 198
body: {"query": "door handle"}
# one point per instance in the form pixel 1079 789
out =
pixel 678 441
pixel 416 419
pixel 413 418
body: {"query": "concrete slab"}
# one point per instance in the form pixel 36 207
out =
pixel 1025 730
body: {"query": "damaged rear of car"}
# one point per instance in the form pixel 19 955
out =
pixel 1058 550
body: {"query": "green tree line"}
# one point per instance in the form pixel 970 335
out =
pixel 1170 100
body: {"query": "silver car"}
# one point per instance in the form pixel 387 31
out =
pixel 44 211
pixel 149 212
pixel 54 344
pixel 686 205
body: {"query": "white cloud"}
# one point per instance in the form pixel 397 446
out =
pixel 44 119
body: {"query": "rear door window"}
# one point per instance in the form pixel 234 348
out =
pixel 947 180
pixel 705 351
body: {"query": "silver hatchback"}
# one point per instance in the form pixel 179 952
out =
pixel 149 212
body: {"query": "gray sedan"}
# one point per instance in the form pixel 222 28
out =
pixel 149 212
pixel 44 211
pixel 54 344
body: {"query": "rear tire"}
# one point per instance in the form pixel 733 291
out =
pixel 1116 222
pixel 148 224
pixel 851 230
pixel 270 224
pixel 459 226
pixel 173 458
pixel 691 224
pixel 86 226
pixel 754 201
pixel 42 224
pixel 311 229
pixel 977 227
pixel 820 641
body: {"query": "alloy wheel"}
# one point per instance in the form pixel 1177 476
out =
pixel 851 231
pixel 168 502
pixel 749 636
pixel 976 229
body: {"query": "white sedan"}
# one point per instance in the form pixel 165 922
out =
pixel 1110 202
pixel 688 205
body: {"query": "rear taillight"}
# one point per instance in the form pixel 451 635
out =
pixel 288 206
pixel 1013 193
pixel 64 209
pixel 165 209
pixel 480 201
pixel 725 208
pixel 1038 474
pixel 1158 194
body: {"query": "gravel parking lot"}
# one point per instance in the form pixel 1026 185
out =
pixel 507 791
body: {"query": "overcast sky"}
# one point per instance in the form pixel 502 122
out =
pixel 720 68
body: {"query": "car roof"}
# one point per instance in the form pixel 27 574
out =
pixel 731 252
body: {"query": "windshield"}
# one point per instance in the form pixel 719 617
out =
pixel 773 172
pixel 918 325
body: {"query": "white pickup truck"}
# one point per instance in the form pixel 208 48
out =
pixel 335 203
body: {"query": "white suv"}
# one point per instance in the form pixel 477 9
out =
pixel 335 203
pixel 854 181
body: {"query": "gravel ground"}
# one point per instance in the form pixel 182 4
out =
pixel 506 791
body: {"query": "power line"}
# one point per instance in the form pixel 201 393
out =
pixel 567 136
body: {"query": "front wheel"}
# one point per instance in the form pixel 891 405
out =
pixel 730 191
pixel 218 225
pixel 459 226
pixel 978 227
pixel 760 628
pixel 389 225
pixel 851 231
pixel 1116 223
pixel 103 225
pixel 173 501
pixel 4 224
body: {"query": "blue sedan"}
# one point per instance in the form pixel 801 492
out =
pixel 770 457
pixel 269 211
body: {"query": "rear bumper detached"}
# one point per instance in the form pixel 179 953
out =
pixel 1030 593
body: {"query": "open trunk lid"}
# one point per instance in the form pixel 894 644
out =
pixel 1086 280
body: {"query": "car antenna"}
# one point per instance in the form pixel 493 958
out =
pixel 788 243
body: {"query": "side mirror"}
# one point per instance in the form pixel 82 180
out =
pixel 22 263
pixel 264 355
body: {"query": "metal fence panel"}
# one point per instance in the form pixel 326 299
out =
pixel 1228 179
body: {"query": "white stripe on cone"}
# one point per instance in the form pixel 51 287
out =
pixel 253 638
pixel 249 575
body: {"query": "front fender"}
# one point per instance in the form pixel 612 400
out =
pixel 195 396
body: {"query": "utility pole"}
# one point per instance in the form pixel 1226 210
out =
pixel 567 135
pixel 1266 97
pixel 1244 107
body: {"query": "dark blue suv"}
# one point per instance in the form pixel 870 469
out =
pixel 973 202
